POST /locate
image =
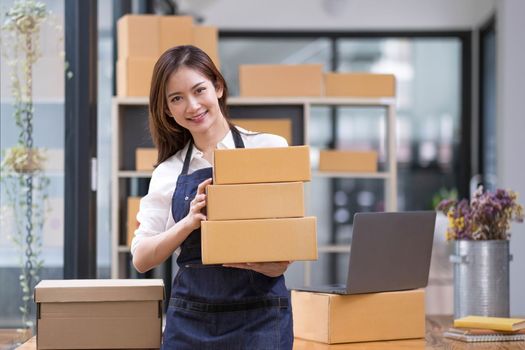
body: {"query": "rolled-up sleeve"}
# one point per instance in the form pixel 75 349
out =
pixel 154 214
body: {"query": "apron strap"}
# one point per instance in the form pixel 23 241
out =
pixel 239 143
pixel 186 165
pixel 237 139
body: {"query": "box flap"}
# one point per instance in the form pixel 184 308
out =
pixel 99 290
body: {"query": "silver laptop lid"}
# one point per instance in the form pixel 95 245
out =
pixel 390 251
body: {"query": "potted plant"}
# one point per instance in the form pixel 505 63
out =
pixel 479 230
pixel 22 176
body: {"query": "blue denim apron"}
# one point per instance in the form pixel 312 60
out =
pixel 214 307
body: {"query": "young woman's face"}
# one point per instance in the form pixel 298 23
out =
pixel 193 100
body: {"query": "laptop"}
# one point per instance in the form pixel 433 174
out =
pixel 389 251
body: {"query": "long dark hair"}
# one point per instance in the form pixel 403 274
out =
pixel 168 136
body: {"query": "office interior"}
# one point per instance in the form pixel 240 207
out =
pixel 459 94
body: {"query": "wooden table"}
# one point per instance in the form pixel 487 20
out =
pixel 435 326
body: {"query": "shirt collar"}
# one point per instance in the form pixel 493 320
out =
pixel 226 143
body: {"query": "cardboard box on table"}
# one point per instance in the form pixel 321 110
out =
pixel 354 161
pixel 99 314
pixel 359 85
pixel 280 80
pixel 332 318
pixel 411 344
pixel 259 165
pixel 238 241
pixel 255 201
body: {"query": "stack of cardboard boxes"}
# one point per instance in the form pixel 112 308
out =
pixel 308 80
pixel 143 38
pixel 255 207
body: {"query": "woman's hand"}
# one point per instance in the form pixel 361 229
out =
pixel 195 215
pixel 270 269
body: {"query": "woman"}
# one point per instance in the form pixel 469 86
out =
pixel 235 306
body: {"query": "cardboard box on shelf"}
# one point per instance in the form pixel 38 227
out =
pixel 279 80
pixel 352 161
pixel 99 314
pixel 359 85
pixel 206 38
pixel 332 318
pixel 255 201
pixel 258 165
pixel 132 223
pixel 138 36
pixel 145 158
pixel 134 76
pixel 281 127
pixel 174 31
pixel 238 241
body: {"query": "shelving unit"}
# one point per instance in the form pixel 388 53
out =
pixel 129 127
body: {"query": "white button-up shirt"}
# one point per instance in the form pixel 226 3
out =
pixel 154 215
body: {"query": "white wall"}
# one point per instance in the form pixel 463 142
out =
pixel 511 128
pixel 340 14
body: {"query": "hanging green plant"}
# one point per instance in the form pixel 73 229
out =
pixel 22 168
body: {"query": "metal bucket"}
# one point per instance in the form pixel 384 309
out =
pixel 481 278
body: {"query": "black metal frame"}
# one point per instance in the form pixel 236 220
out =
pixel 488 27
pixel 80 241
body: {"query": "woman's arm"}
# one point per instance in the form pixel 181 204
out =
pixel 154 250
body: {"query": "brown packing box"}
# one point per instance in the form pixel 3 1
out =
pixel 132 223
pixel 99 314
pixel 145 158
pixel 134 76
pixel 360 85
pixel 332 318
pixel 239 241
pixel 353 161
pixel 281 127
pixel 407 344
pixel 207 39
pixel 255 201
pixel 281 80
pixel 174 31
pixel 138 36
pixel 259 165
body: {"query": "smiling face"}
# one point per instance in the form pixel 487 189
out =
pixel 193 101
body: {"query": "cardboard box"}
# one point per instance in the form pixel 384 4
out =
pixel 145 158
pixel 281 127
pixel 174 31
pixel 207 39
pixel 132 223
pixel 134 76
pixel 332 318
pixel 281 80
pixel 353 161
pixel 99 314
pixel 255 201
pixel 258 165
pixel 411 344
pixel 138 36
pixel 238 241
pixel 359 85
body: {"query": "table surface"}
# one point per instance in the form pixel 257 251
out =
pixel 435 326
